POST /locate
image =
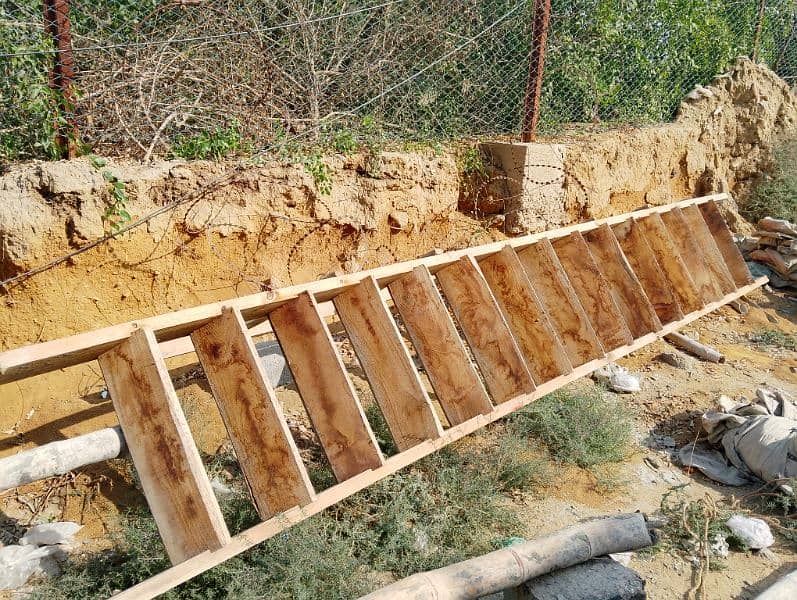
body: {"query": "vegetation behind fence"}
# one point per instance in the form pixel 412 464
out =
pixel 204 79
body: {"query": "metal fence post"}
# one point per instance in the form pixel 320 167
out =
pixel 531 101
pixel 62 74
pixel 759 23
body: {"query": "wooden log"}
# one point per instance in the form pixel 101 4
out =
pixel 495 350
pixel 57 458
pixel 694 347
pixel 541 346
pixel 167 461
pixel 387 364
pixel 510 567
pixel 454 379
pixel 327 394
pixel 252 415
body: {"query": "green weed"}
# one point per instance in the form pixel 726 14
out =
pixel 116 214
pixel 584 428
pixel 773 337
pixel 315 166
pixel 216 144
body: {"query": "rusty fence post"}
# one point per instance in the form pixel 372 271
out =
pixel 531 101
pixel 62 74
pixel 759 24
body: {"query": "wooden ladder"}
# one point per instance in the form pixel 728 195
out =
pixel 535 312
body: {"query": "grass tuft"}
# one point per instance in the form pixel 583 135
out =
pixel 773 337
pixel 777 195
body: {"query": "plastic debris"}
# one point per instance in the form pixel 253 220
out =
pixel 49 534
pixel 18 563
pixel 617 378
pixel 753 532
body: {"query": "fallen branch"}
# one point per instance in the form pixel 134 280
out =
pixel 510 567
pixel 694 347
pixel 57 458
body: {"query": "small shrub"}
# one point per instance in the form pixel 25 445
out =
pixel 583 428
pixel 776 196
pixel 773 337
pixel 315 166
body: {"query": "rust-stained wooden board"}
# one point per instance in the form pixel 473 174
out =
pixel 714 262
pixel 445 359
pixel 643 261
pixel 670 262
pixel 495 350
pixel 539 343
pixel 724 239
pixel 167 461
pixel 327 393
pixel 692 254
pixel 627 291
pixel 592 290
pixel 263 444
pixel 387 364
pixel 561 303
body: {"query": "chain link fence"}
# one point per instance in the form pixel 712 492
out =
pixel 203 79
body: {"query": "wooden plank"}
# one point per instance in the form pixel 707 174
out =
pixel 172 476
pixel 692 254
pixel 643 261
pixel 263 443
pixel 454 379
pixel 541 347
pixel 624 286
pixel 73 350
pixel 561 303
pixel 670 262
pixel 714 261
pixel 327 393
pixel 387 364
pixel 592 290
pixel 722 236
pixel 171 578
pixel 495 350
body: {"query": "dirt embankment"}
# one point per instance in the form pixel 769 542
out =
pixel 721 141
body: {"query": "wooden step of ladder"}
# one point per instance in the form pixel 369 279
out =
pixel 534 312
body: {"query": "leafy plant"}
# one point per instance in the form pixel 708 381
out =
pixel 116 214
pixel 773 337
pixel 216 144
pixel 314 164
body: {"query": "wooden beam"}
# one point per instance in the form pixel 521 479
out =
pixel 592 290
pixel 553 288
pixel 167 461
pixel 263 443
pixel 171 578
pixel 495 350
pixel 714 262
pixel 387 364
pixel 539 343
pixel 73 350
pixel 445 359
pixel 327 393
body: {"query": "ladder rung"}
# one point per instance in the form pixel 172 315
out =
pixel 533 331
pixel 167 461
pixel 445 359
pixel 592 290
pixel 252 415
pixel 327 393
pixel 495 350
pixel 561 303
pixel 387 364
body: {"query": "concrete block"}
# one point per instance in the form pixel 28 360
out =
pixel 274 364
